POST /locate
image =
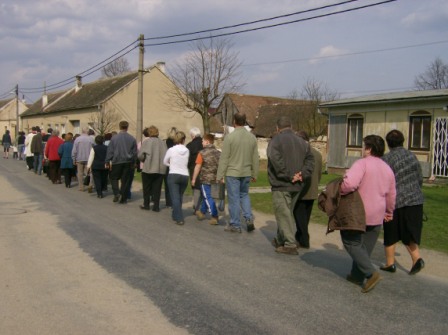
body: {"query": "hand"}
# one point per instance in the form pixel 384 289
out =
pixel 253 180
pixel 388 217
pixel 297 177
pixel 193 181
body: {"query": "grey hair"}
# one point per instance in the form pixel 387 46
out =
pixel 85 130
pixel 55 132
pixel 195 132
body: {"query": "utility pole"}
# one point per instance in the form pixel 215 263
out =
pixel 17 111
pixel 140 89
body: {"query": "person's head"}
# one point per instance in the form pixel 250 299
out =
pixel 171 132
pixel 68 137
pixel 151 131
pixel 394 139
pixel 33 129
pixel 50 131
pixel 239 119
pixel 283 122
pixel 38 129
pixel 208 139
pixel 63 136
pixel 108 136
pixel 55 133
pixel 373 145
pixel 85 130
pixel 7 132
pixel 91 132
pixel 123 125
pixel 179 138
pixel 195 132
pixel 99 139
pixel 303 134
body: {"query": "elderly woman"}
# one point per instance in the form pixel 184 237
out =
pixel 177 159
pixel 151 154
pixel 51 153
pixel 375 182
pixel 67 164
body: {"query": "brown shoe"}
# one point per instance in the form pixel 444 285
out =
pixel 287 250
pixel 371 282
pixel 213 221
pixel 200 215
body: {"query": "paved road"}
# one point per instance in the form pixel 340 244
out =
pixel 75 264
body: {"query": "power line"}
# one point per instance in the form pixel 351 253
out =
pixel 348 54
pixel 269 26
pixel 251 22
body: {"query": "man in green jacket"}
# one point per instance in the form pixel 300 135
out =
pixel 239 164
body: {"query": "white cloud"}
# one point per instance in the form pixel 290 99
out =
pixel 328 51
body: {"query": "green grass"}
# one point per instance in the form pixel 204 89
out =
pixel 435 229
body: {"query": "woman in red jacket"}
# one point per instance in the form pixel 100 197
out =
pixel 51 153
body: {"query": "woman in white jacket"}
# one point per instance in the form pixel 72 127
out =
pixel 177 159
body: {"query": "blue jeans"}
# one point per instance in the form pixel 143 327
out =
pixel 208 203
pixel 238 198
pixel 38 163
pixel 177 184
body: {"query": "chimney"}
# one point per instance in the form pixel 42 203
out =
pixel 161 66
pixel 78 83
pixel 44 100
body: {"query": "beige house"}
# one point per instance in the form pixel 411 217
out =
pixel 84 104
pixel 422 116
pixel 8 115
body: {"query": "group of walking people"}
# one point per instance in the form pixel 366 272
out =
pixel 377 190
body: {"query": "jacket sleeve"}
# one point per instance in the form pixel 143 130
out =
pixel 223 160
pixel 277 162
pixel 308 164
pixel 91 158
pixel 255 161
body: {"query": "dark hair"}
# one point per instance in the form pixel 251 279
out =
pixel 394 139
pixel 376 145
pixel 49 130
pixel 123 125
pixel 99 139
pixel 283 122
pixel 239 119
pixel 107 136
pixel 303 134
pixel 68 137
pixel 210 138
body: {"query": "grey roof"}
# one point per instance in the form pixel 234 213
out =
pixel 3 103
pixel 90 95
pixel 389 97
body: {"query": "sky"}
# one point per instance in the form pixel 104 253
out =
pixel 360 52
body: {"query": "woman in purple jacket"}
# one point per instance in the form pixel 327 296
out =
pixel 375 182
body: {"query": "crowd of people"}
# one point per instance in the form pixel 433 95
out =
pixel 376 190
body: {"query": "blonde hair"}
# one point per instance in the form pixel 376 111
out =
pixel 171 132
pixel 179 138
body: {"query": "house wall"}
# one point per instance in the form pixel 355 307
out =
pixel 379 119
pixel 8 117
pixel 158 109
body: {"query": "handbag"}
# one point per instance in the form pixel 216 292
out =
pixel 86 181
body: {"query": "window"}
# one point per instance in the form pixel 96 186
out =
pixel 75 126
pixel 354 130
pixel 420 131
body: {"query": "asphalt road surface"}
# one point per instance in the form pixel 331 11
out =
pixel 75 264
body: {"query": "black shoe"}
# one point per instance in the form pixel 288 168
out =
pixel 353 280
pixel 250 225
pixel 155 209
pixel 420 264
pixel 123 202
pixel 390 268
pixel 144 207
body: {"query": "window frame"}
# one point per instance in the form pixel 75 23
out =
pixel 424 125
pixel 359 127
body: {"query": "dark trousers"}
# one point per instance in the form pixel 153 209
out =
pixel 120 172
pixel 177 184
pixel 168 202
pixel 152 187
pixel 30 162
pixel 54 171
pixel 359 246
pixel 68 174
pixel 100 180
pixel 302 215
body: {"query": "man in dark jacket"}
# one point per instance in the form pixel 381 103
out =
pixel 290 162
pixel 37 148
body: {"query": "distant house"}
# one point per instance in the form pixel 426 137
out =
pixel 422 116
pixel 72 109
pixel 261 112
pixel 8 115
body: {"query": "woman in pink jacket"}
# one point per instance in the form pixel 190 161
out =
pixel 375 182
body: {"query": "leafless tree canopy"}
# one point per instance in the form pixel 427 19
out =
pixel 116 68
pixel 434 78
pixel 104 121
pixel 209 71
pixel 315 92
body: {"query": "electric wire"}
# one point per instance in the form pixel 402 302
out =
pixel 268 26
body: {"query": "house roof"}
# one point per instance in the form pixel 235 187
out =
pixel 265 125
pixel 90 95
pixel 389 97
pixel 3 103
pixel 249 104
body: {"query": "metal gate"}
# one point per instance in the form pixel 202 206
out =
pixel 440 158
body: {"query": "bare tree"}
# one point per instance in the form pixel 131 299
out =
pixel 434 78
pixel 104 121
pixel 314 92
pixel 209 71
pixel 116 68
